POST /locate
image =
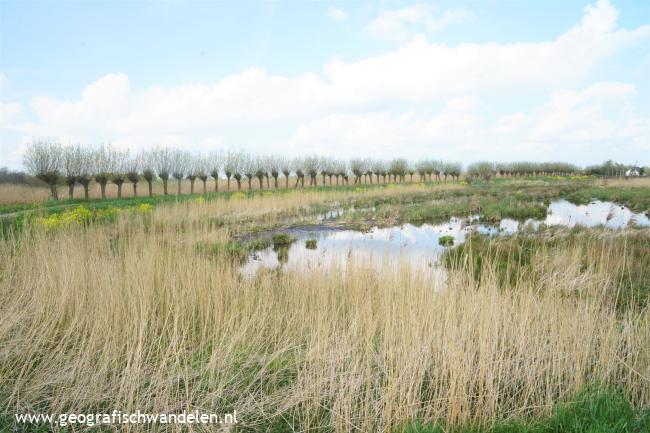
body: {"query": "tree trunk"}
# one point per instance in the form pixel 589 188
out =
pixel 205 186
pixel 102 186
pixel 53 190
pixel 150 188
pixel 86 192
pixel 192 186
pixel 71 191
pixel 119 190
pixel 178 190
pixel 286 182
pixel 135 190
pixel 238 184
pixel 275 181
pixel 165 186
pixel 250 186
pixel 261 180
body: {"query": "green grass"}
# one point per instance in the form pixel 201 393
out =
pixel 282 240
pixel 446 240
pixel 259 244
pixel 591 411
pixel 311 244
pixel 232 250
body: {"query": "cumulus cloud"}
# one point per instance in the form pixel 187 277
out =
pixel 399 24
pixel 568 123
pixel 384 100
pixel 337 14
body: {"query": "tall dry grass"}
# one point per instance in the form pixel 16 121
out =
pixel 131 317
pixel 22 194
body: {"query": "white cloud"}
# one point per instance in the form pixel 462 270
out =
pixel 570 122
pixel 353 106
pixel 337 14
pixel 464 103
pixel 399 24
pixel 585 115
pixel 10 113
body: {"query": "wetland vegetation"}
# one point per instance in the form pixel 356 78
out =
pixel 497 329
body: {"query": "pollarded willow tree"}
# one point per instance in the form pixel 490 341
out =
pixel 119 168
pixel 285 167
pixel 397 168
pixel 180 166
pixel 133 167
pixel 203 169
pixel 341 170
pixel 86 169
pixel 258 169
pixel 148 169
pixel 162 160
pixel 72 166
pixel 193 169
pixel 103 166
pixel 298 168
pixel 232 166
pixel 274 163
pixel 312 166
pixel 214 165
pixel 453 169
pixel 481 170
pixel 44 160
pixel 379 169
pixel 357 167
pixel 248 169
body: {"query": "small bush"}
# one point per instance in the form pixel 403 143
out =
pixel 259 244
pixel 310 244
pixel 282 240
pixel 446 241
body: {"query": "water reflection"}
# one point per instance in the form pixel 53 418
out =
pixel 596 213
pixel 419 246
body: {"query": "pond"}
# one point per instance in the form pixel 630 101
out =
pixel 420 246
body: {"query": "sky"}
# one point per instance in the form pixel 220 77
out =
pixel 459 81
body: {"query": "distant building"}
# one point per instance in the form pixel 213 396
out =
pixel 632 172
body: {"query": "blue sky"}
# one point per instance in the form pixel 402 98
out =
pixel 566 80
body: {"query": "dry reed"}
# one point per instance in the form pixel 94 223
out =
pixel 129 317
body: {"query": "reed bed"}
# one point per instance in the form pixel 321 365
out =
pixel 129 317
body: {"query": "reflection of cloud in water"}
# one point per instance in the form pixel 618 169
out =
pixel 418 246
pixel 594 214
pixel 381 248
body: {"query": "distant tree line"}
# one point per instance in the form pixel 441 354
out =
pixel 55 165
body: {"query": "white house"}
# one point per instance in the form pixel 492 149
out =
pixel 632 172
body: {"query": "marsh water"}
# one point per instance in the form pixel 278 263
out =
pixel 420 245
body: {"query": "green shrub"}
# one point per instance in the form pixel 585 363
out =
pixel 446 241
pixel 282 240
pixel 259 244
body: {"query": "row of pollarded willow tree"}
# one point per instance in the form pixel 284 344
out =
pixel 56 164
